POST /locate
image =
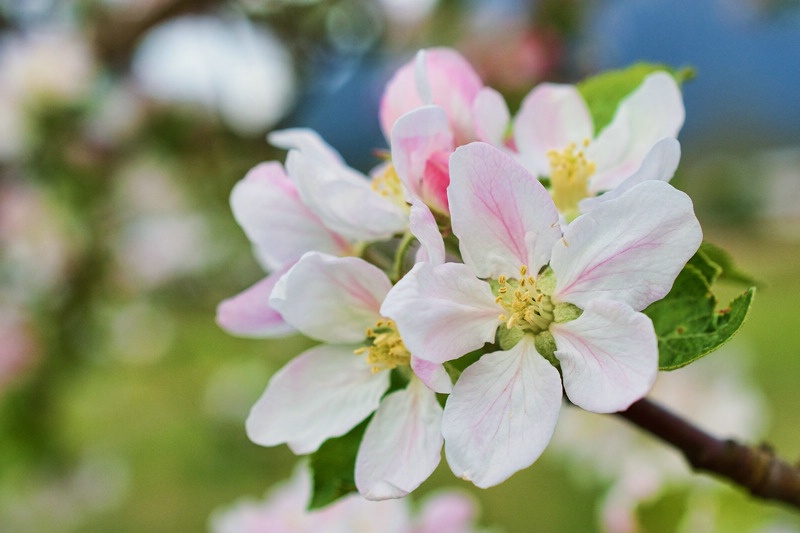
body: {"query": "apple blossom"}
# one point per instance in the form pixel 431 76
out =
pixel 565 301
pixel 436 76
pixel 555 137
pixel 426 111
pixel 327 390
pixel 347 202
pixel 281 228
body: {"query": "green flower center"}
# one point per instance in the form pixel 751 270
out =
pixel 526 303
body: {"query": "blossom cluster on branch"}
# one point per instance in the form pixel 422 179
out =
pixel 490 266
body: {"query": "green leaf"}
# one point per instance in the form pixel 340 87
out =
pixel 687 322
pixel 604 92
pixel 729 271
pixel 333 466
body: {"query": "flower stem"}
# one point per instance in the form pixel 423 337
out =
pixel 400 256
pixel 755 468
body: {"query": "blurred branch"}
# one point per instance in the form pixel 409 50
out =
pixel 117 31
pixel 755 468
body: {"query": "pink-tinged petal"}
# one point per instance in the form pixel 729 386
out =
pixel 344 199
pixel 308 142
pixel 491 116
pixel 433 375
pixel 451 81
pixel 550 118
pixel 653 111
pixel 442 311
pixel 322 393
pixel 448 512
pixel 608 355
pixel 332 299
pixel 418 137
pixel 501 414
pixel 402 444
pixel 659 164
pixel 504 218
pixel 424 227
pixel 628 249
pixel 267 206
pixel 248 314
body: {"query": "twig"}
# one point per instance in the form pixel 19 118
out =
pixel 755 468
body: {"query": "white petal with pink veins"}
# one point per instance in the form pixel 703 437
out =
pixel 608 355
pixel 344 199
pixel 433 375
pixel 308 142
pixel 629 249
pixel 423 225
pixel 442 312
pixel 650 113
pixel 281 227
pixel 402 444
pixel 332 299
pixel 322 393
pixel 504 218
pixel 249 314
pixel 501 414
pixel 659 164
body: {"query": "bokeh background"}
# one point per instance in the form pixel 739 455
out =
pixel 124 125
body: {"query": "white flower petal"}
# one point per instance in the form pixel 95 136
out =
pixel 659 164
pixel 442 312
pixel 333 299
pixel 550 118
pixel 402 444
pixel 433 375
pixel 308 142
pixel 608 355
pixel 628 249
pixel 267 206
pixel 504 218
pixel 322 393
pixel 491 116
pixel 344 199
pixel 501 414
pixel 249 314
pixel 651 112
pixel 423 225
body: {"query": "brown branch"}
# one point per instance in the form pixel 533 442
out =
pixel 755 468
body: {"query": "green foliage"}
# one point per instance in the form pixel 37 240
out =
pixel 333 466
pixel 687 321
pixel 604 92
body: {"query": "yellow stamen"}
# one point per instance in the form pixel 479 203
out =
pixel 526 307
pixel 569 177
pixel 386 183
pixel 386 350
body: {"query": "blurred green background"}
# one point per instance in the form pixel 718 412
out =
pixel 123 127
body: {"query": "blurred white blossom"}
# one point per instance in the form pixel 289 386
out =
pixel 231 67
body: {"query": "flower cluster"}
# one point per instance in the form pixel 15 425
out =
pixel 539 241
